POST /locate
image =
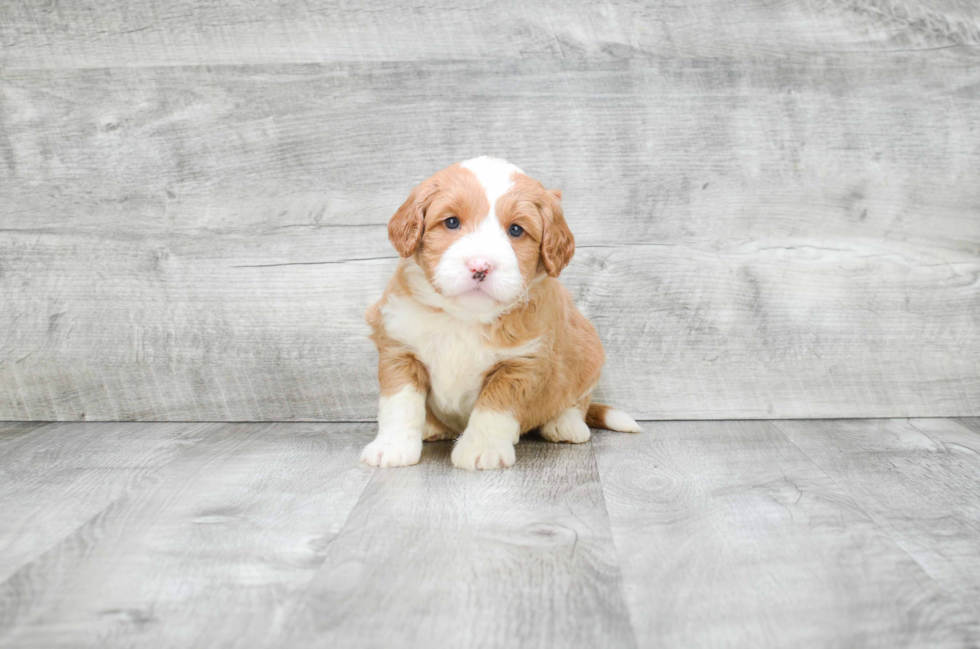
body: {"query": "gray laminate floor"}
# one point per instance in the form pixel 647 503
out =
pixel 832 533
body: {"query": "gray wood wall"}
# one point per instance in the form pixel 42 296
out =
pixel 777 204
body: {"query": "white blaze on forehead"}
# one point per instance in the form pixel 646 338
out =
pixel 494 174
pixel 488 242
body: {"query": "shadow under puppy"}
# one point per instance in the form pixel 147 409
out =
pixel 476 336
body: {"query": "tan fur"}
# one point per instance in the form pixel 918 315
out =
pixel 538 388
pixel 398 366
pixel 435 430
pixel 459 194
pixel 562 368
pixel 595 416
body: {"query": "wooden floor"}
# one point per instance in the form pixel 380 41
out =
pixel 833 533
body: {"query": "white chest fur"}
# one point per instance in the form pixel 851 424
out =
pixel 457 354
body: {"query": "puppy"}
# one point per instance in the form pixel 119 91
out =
pixel 476 336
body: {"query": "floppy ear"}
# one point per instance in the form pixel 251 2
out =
pixel 406 226
pixel 557 242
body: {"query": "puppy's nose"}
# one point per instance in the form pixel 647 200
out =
pixel 480 268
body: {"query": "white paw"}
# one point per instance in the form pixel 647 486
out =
pixel 568 427
pixel 392 452
pixel 483 452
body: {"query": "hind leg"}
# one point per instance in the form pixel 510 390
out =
pixel 569 426
pixel 436 431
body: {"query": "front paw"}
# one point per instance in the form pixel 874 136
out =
pixel 483 452
pixel 392 452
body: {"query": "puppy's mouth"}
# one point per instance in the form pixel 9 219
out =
pixel 477 291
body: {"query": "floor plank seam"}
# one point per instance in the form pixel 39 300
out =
pixel 300 598
pixel 125 494
pixel 935 441
pixel 971 423
pixel 13 624
pixel 879 527
pixel 612 538
pixel 822 470
pixel 968 604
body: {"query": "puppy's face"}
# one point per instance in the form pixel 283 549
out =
pixel 482 231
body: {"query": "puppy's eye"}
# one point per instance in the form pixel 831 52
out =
pixel 452 222
pixel 515 230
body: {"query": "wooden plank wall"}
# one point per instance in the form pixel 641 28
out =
pixel 777 204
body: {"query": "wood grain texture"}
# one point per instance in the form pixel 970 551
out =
pixel 13 433
pixel 729 535
pixel 141 33
pixel 717 534
pixel 918 480
pixel 55 477
pixel 778 239
pixel 206 553
pixel 433 556
pixel 972 423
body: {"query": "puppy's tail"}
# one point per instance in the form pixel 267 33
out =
pixel 600 416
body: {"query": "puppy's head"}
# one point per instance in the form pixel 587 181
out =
pixel 482 230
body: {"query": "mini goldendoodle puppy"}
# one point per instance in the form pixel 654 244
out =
pixel 476 336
